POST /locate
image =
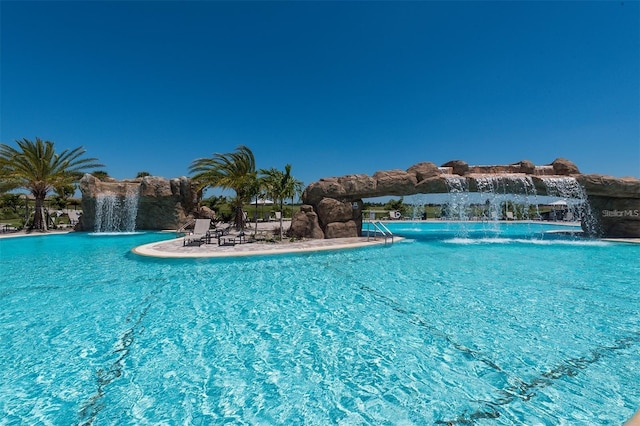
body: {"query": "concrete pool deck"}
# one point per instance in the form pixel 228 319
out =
pixel 174 248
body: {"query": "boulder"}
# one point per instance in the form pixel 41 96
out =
pixel 359 186
pixel 331 210
pixel 155 187
pixel 424 171
pixel 609 186
pixel 527 167
pixel 395 182
pixel 459 167
pixel 162 205
pixel 206 213
pixel 341 230
pixel 328 187
pixel 564 167
pixel 304 224
pixel 433 185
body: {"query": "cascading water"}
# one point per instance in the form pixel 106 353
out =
pixel 507 193
pixel 117 213
pixel 416 203
pixel 458 205
pixel 575 198
pixel 491 198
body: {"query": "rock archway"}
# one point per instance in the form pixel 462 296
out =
pixel 333 206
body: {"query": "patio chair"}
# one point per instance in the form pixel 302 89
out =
pixel 199 233
pixel 232 240
pixel 73 217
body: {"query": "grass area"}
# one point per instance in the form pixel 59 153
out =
pixel 14 207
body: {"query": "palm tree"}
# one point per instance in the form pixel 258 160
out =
pixel 235 171
pixel 297 186
pixel 257 189
pixel 280 186
pixel 37 167
pixel 63 193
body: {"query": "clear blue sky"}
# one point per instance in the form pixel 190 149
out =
pixel 331 87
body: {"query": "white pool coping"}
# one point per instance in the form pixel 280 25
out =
pixel 175 249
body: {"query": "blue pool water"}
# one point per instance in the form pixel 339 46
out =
pixel 480 324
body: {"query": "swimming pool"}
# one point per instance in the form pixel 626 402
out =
pixel 482 324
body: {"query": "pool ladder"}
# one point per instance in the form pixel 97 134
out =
pixel 380 229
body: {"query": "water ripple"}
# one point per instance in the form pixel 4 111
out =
pixel 92 407
pixel 521 390
pixel 526 391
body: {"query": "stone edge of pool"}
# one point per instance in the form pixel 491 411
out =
pixel 174 248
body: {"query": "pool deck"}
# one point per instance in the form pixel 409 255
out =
pixel 175 249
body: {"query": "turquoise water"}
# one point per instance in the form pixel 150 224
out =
pixel 474 325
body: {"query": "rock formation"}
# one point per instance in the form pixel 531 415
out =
pixel 305 224
pixel 337 201
pixel 162 203
pixel 616 203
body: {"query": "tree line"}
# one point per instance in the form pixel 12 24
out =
pixel 37 167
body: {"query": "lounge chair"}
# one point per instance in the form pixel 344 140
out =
pixel 232 240
pixel 221 229
pixel 5 227
pixel 200 230
pixel 510 216
pixel 74 217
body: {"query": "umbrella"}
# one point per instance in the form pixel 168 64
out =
pixel 262 201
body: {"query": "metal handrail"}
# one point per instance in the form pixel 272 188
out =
pixel 383 226
pixel 379 229
pixel 384 231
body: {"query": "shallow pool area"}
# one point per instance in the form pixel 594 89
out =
pixel 456 324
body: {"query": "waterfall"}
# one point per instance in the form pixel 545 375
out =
pixel 514 196
pixel 491 198
pixel 117 213
pixel 416 203
pixel 575 197
pixel 458 205
pixel 508 193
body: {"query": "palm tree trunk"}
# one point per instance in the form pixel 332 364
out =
pixel 281 220
pixel 256 216
pixel 39 222
pixel 239 218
